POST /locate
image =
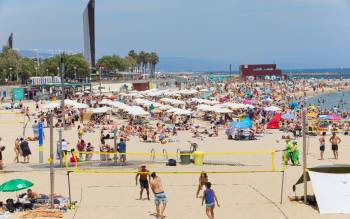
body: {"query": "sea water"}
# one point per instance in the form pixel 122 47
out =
pixel 340 100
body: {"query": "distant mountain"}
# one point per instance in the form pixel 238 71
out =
pixel 32 54
pixel 179 64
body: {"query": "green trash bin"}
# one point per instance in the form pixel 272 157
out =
pixel 185 157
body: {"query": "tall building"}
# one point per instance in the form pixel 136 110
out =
pixel 89 32
pixel 10 41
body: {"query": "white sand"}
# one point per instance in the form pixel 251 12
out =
pixel 249 195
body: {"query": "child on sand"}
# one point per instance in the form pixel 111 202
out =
pixel 210 199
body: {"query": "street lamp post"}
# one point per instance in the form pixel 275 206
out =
pixel 10 69
pixel 63 92
pixel 75 73
pixel 47 72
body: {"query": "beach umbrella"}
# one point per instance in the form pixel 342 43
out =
pixel 273 108
pixel 293 104
pixel 246 123
pixel 334 117
pixel 289 116
pixel 101 110
pixel 80 106
pixel 15 185
pixel 324 117
pixel 222 110
pixel 312 114
pixel 52 105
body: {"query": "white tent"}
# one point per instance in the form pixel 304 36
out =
pixel 332 192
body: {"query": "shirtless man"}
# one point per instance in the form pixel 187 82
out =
pixel 159 195
pixel 144 177
pixel 335 140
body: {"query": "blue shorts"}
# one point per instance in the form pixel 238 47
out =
pixel 160 198
pixel 210 205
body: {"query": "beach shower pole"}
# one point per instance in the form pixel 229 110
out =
pixel 52 173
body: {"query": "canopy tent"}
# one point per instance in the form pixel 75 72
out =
pixel 331 187
pixel 274 122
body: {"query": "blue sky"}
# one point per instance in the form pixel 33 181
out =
pixel 291 33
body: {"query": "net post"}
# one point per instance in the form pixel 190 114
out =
pixel 273 160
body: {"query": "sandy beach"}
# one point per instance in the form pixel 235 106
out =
pixel 241 195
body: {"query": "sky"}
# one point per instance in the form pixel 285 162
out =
pixel 290 33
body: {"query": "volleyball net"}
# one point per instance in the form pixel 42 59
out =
pixel 7 118
pixel 219 162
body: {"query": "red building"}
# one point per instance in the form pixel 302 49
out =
pixel 259 72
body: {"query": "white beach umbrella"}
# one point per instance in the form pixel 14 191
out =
pixel 80 106
pixel 52 105
pixel 100 110
pixel 222 110
pixel 273 108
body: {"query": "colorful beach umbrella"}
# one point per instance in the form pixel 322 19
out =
pixel 15 185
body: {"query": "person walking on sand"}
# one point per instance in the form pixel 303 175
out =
pixel 25 150
pixel 335 141
pixel 203 179
pixel 17 150
pixel 322 144
pixel 210 198
pixel 159 195
pixel 144 177
pixel 121 148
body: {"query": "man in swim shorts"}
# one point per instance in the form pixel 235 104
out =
pixel 144 176
pixel 160 198
pixel 335 141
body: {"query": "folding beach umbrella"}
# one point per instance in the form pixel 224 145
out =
pixel 289 116
pixel 15 185
pixel 293 104
pixel 324 117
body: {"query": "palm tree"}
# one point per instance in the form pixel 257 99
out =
pixel 154 59
pixel 132 54
pixel 143 60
